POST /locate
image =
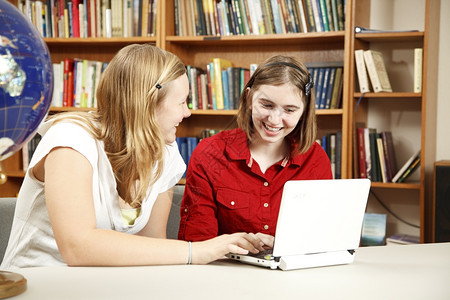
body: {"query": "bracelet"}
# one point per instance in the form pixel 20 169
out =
pixel 190 253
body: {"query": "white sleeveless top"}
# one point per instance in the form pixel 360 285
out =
pixel 32 242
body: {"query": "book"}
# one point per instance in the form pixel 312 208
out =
pixel 377 71
pixel 301 12
pixel 373 229
pixel 361 153
pixel 406 166
pixel 361 71
pixel 336 87
pixel 414 165
pixel 360 29
pixel 219 64
pixel 324 88
pixel 68 82
pixel 318 86
pixel 310 15
pixel 402 239
pixel 382 159
pixel 338 170
pixel 389 155
pixel 369 149
pixel 418 60
pixel 329 89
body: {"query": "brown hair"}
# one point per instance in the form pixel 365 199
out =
pixel 274 71
pixel 131 88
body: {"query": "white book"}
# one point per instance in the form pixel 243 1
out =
pixel 78 82
pixel 56 97
pixel 361 71
pixel 108 30
pixel 38 14
pixel 81 20
pixel 377 71
pixel 259 17
pixel 418 60
pixel 253 17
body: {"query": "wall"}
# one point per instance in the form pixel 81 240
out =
pixel 443 115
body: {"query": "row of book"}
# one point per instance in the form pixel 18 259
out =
pixel 218 86
pixel 332 145
pixel 75 82
pixel 91 18
pixel 376 157
pixel 328 85
pixel 236 17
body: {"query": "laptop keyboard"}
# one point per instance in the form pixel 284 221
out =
pixel 266 254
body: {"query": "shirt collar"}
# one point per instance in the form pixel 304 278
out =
pixel 237 149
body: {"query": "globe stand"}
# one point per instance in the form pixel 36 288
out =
pixel 3 177
pixel 11 284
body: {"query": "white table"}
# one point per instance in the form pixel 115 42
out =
pixel 388 272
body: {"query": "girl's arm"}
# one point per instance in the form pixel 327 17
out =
pixel 157 224
pixel 68 189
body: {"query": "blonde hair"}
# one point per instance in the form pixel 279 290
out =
pixel 274 71
pixel 129 92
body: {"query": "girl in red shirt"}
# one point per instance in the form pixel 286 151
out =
pixel 235 179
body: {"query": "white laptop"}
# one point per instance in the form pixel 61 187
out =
pixel 319 224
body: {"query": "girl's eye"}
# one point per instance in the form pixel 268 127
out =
pixel 289 110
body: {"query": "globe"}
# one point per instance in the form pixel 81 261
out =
pixel 26 79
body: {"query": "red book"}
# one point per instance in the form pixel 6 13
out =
pixel 67 78
pixel 87 9
pixel 361 153
pixel 75 18
pixel 199 90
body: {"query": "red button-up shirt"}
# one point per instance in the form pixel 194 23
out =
pixel 226 191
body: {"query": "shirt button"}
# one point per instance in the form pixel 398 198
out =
pixel 185 210
pixel 266 183
pixel 266 227
pixel 232 203
pixel 266 204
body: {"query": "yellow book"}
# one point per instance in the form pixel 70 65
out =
pixel 219 65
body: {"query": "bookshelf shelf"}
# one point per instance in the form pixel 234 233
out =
pixel 326 112
pixel 406 186
pixel 309 38
pixel 99 41
pixel 416 36
pixel 389 95
pixel 209 112
pixel 17 174
pixel 54 109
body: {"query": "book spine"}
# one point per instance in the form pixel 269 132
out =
pixel 361 153
pixel 418 60
pixel 361 71
pixel 330 87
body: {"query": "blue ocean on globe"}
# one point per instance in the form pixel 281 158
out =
pixel 26 79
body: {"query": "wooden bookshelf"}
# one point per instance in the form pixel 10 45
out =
pixel 421 104
pixel 308 47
